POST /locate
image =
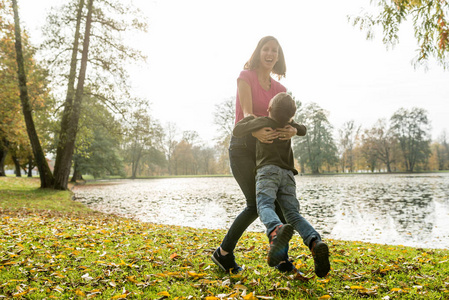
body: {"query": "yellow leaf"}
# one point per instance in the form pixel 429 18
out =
pixel 19 294
pixel 122 263
pixel 80 293
pixel 250 297
pixel 196 275
pixel 339 260
pixel 240 287
pixel 357 287
pixel 99 262
pixel 395 290
pixel 164 293
pixel 324 297
pixel 211 298
pixel 123 296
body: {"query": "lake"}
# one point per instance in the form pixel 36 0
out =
pixel 396 209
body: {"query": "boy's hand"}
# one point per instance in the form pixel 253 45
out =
pixel 286 133
pixel 265 135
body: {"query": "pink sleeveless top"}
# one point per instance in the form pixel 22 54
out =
pixel 260 97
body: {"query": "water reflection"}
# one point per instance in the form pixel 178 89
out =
pixel 411 210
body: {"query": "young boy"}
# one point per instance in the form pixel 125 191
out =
pixel 275 180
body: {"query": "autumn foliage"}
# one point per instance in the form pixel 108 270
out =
pixel 59 255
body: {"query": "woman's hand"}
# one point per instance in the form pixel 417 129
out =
pixel 265 135
pixel 286 133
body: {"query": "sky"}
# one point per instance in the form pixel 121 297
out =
pixel 197 48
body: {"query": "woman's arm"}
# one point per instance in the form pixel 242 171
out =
pixel 245 97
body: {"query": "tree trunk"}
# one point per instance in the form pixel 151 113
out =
pixel 76 173
pixel 17 170
pixel 302 166
pixel 30 166
pixel 60 171
pixel 45 174
pixel 3 152
pixel 135 165
pixel 64 156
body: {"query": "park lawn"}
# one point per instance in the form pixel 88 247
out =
pixel 24 193
pixel 49 252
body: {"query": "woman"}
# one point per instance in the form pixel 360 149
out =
pixel 255 88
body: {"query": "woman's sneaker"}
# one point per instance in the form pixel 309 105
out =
pixel 226 262
pixel 279 239
pixel 320 253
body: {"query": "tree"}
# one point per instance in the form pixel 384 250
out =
pixel 104 24
pixel 183 160
pixel 442 151
pixel 45 174
pixel 13 134
pixel 430 24
pixel 411 128
pixel 67 135
pixel 349 133
pixel 224 117
pixel 142 134
pixel 317 147
pixel 103 158
pixel 169 143
pixel 97 149
pixel 206 161
pixel 368 149
pixel 153 162
pixel 383 142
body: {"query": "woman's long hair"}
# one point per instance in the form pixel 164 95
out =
pixel 278 69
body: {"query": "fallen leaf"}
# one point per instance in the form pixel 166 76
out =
pixel 250 297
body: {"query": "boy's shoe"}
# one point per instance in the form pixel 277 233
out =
pixel 279 239
pixel 286 264
pixel 285 267
pixel 320 253
pixel 226 262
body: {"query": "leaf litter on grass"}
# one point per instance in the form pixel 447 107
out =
pixel 53 255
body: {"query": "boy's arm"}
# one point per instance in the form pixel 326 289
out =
pixel 246 126
pixel 301 130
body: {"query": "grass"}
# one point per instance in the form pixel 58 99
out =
pixel 24 193
pixel 63 251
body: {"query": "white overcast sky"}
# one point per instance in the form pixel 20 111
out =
pixel 197 48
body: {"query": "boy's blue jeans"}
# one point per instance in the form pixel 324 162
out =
pixel 242 156
pixel 273 182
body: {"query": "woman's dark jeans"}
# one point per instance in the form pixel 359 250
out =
pixel 242 157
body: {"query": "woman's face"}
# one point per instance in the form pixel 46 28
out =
pixel 269 55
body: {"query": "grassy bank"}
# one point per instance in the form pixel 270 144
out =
pixel 53 248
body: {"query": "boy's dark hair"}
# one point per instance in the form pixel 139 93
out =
pixel 283 108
